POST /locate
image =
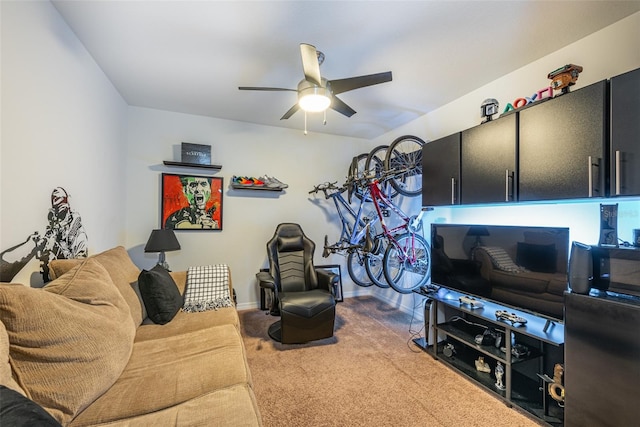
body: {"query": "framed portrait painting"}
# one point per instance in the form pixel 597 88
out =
pixel 191 202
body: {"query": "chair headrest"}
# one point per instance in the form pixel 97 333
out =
pixel 289 244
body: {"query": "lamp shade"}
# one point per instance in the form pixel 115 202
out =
pixel 163 240
pixel 478 230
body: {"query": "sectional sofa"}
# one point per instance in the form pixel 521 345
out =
pixel 83 349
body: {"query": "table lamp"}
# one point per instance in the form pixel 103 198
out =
pixel 163 240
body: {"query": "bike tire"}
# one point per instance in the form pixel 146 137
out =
pixel 405 154
pixel 357 270
pixel 403 276
pixel 375 270
pixel 375 165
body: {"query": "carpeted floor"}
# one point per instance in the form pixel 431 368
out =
pixel 368 374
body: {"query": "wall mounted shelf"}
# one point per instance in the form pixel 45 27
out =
pixel 255 187
pixel 191 165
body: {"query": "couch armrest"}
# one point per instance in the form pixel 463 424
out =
pixel 466 266
pixel 486 265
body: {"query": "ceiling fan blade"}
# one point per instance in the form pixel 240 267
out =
pixel 310 64
pixel 351 83
pixel 291 111
pixel 265 88
pixel 342 108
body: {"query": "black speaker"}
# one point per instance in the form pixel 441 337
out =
pixel 428 332
pixel 580 268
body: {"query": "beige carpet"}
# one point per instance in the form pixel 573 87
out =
pixel 368 374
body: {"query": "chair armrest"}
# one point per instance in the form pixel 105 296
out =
pixel 266 280
pixel 326 279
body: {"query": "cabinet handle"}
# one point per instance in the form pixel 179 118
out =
pixel 507 176
pixel 453 191
pixel 591 165
pixel 590 183
pixel 617 172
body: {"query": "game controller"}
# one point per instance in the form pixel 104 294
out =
pixel 472 302
pixel 427 289
pixel 511 317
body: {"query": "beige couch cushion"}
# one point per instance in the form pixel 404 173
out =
pixel 6 377
pixel 234 406
pixel 122 270
pixel 58 267
pixel 167 372
pixel 73 337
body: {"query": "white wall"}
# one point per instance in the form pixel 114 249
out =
pixel 63 124
pixel 607 53
pixel 249 217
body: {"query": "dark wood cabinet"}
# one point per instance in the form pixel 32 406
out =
pixel 441 171
pixel 602 372
pixel 562 146
pixel 625 134
pixel 488 161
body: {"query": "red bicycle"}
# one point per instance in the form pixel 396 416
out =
pixel 407 258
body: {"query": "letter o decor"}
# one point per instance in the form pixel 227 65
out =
pixel 520 102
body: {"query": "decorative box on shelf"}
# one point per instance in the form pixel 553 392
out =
pixel 194 156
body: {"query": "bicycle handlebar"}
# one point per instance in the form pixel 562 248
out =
pixel 328 186
pixel 368 177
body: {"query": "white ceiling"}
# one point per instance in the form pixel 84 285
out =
pixel 191 56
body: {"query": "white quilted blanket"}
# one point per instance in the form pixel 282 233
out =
pixel 207 288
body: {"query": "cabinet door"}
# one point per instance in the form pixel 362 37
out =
pixel 602 372
pixel 625 134
pixel 441 171
pixel 562 144
pixel 488 161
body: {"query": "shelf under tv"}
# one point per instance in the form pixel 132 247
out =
pixel 191 165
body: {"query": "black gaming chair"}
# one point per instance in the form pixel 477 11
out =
pixel 302 293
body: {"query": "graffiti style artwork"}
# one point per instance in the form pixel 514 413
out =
pixel 64 238
pixel 191 202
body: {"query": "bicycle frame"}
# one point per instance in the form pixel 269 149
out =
pixel 408 224
pixel 350 234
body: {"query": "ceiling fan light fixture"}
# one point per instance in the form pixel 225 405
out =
pixel 314 99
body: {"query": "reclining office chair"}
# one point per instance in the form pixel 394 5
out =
pixel 303 294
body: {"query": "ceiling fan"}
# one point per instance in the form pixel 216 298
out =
pixel 315 93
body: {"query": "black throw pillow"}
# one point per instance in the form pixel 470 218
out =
pixel 18 411
pixel 160 294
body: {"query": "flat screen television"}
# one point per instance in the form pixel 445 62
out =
pixel 519 266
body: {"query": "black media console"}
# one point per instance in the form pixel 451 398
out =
pixel 527 350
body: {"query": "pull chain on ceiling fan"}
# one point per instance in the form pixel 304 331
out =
pixel 316 93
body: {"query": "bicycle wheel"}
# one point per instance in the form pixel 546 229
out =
pixel 405 155
pixel 356 170
pixel 357 270
pixel 374 165
pixel 375 266
pixel 406 265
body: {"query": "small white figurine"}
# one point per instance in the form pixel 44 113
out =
pixel 499 373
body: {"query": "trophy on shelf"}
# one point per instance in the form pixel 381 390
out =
pixel 564 77
pixel 499 372
pixel 482 366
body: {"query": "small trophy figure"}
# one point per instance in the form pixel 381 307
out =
pixel 482 366
pixel 499 373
